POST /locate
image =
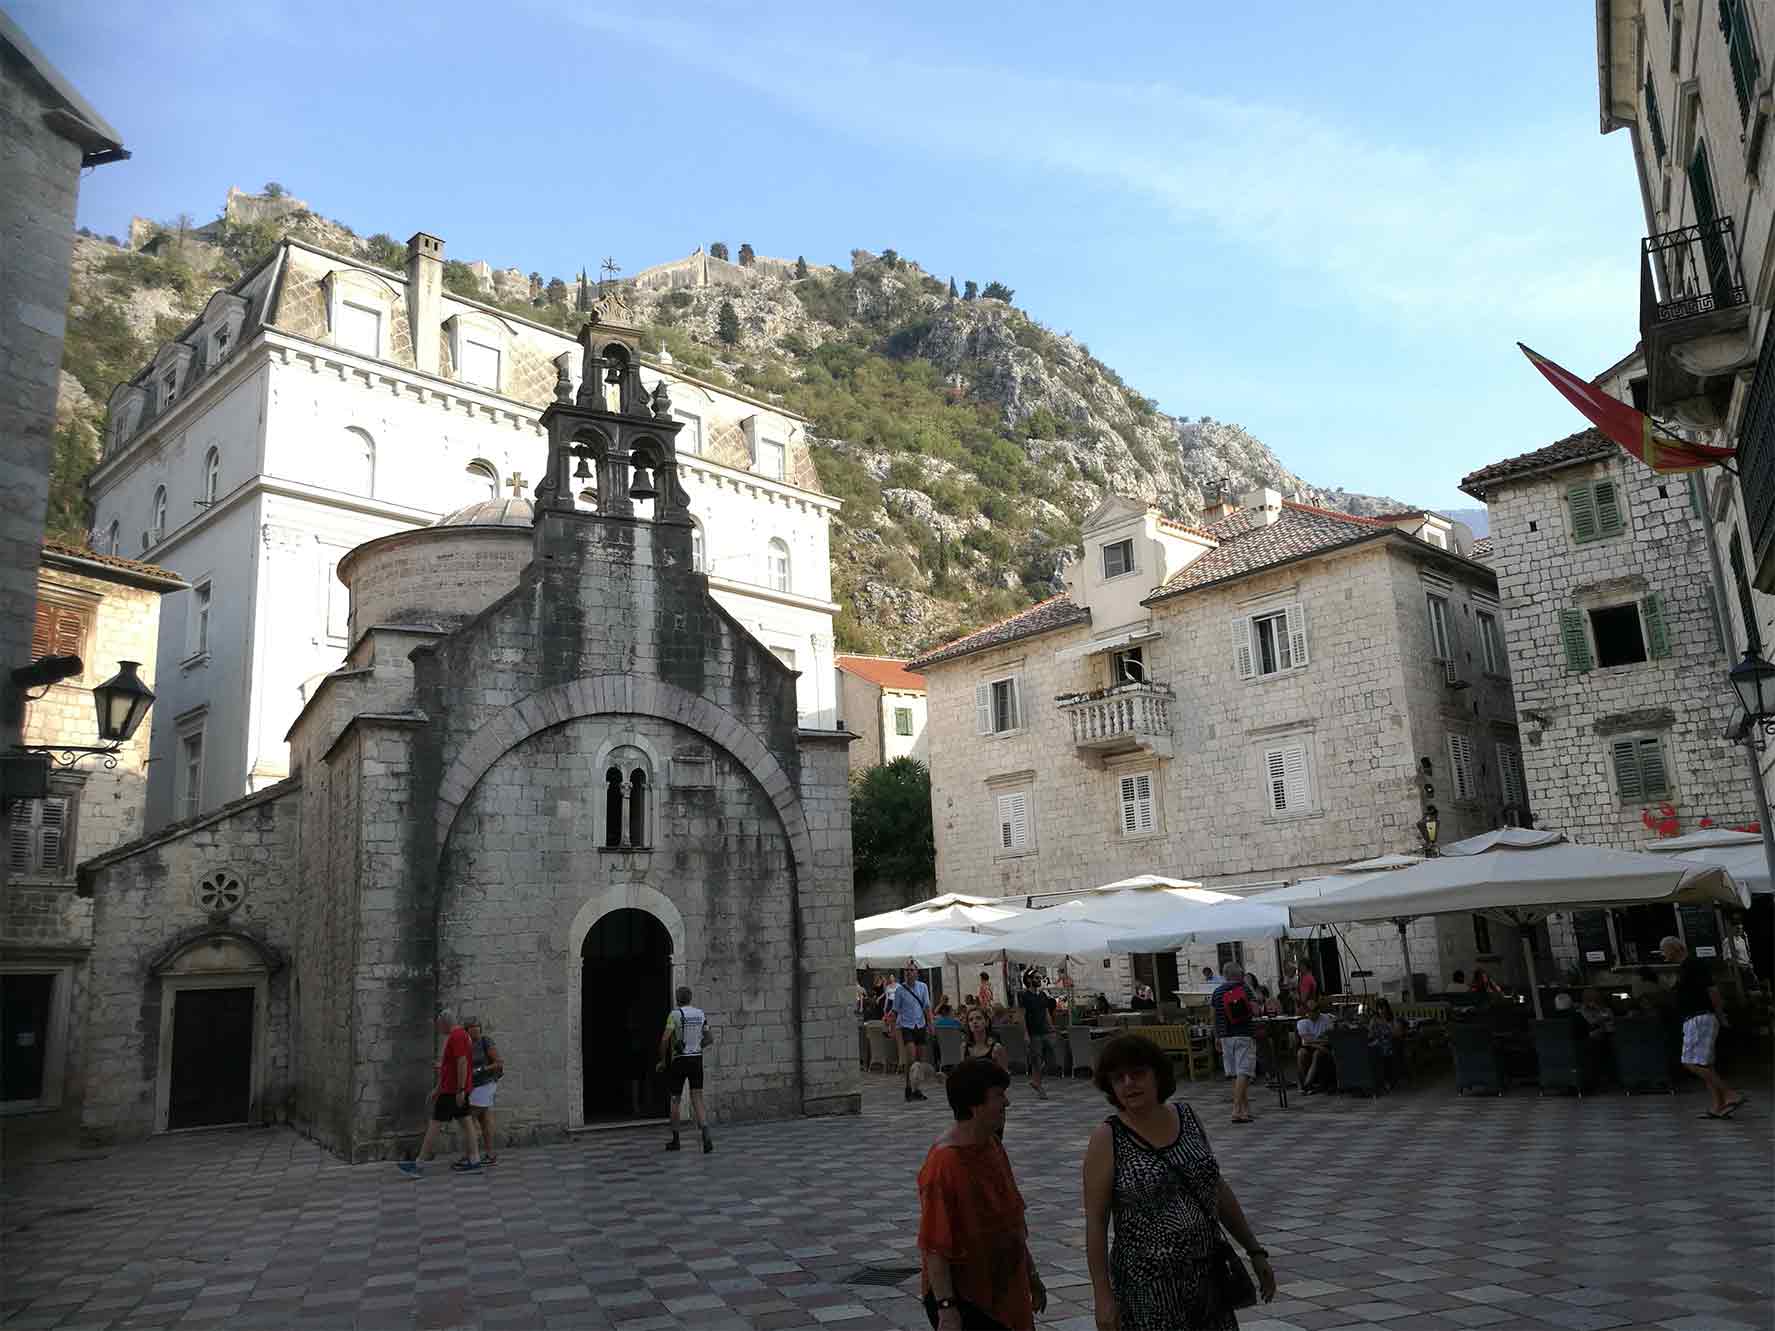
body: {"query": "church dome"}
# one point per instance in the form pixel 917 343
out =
pixel 509 512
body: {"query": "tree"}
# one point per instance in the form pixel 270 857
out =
pixel 76 454
pixel 952 291
pixel 746 255
pixel 385 251
pixel 800 267
pixel 718 250
pixel 971 290
pixel 273 190
pixel 460 279
pixel 891 836
pixel 998 291
pixel 555 291
pixel 727 323
pixel 890 258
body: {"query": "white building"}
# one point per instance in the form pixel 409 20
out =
pixel 884 705
pixel 300 416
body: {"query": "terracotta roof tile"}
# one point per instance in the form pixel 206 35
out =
pixel 1247 546
pixel 1057 612
pixel 1574 448
pixel 1483 549
pixel 113 561
pixel 884 672
pixel 1172 524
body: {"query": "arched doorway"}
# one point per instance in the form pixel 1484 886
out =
pixel 625 991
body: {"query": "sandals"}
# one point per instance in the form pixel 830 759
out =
pixel 1246 1119
pixel 1733 1107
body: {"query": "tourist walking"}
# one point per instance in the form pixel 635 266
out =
pixel 449 1100
pixel 486 1067
pixel 976 1269
pixel 1149 1168
pixel 911 1002
pixel 1037 1010
pixel 1235 1032
pixel 984 993
pixel 1701 1011
pixel 681 1059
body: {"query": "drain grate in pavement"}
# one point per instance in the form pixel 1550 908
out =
pixel 880 1275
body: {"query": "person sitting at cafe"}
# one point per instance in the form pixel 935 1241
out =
pixel 1143 999
pixel 1481 983
pixel 1313 1056
pixel 1102 1005
pixel 946 1018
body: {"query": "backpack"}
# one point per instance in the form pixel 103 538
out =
pixel 1236 1005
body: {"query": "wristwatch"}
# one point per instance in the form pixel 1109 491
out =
pixel 945 1303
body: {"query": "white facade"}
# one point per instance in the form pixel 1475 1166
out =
pixel 292 422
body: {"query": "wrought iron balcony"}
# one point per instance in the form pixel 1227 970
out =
pixel 1688 272
pixel 1694 321
pixel 1121 719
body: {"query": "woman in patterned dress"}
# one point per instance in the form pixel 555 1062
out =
pixel 1150 1167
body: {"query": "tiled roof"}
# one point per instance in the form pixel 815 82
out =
pixel 885 672
pixel 1246 545
pixel 1057 612
pixel 1483 549
pixel 1172 524
pixel 1574 448
pixel 134 566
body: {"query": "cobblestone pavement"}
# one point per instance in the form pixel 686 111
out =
pixel 1417 1211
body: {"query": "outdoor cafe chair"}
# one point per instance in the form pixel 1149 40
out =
pixel 1559 1055
pixel 1354 1059
pixel 1641 1055
pixel 949 1045
pixel 1476 1061
pixel 1084 1053
pixel 883 1057
pixel 1016 1043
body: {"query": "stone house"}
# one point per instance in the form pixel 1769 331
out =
pixel 321 402
pixel 884 705
pixel 102 610
pixel 1619 643
pixel 1275 692
pixel 554 778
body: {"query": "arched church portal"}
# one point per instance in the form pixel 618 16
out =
pixel 625 993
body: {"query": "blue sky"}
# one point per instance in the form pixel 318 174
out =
pixel 1331 227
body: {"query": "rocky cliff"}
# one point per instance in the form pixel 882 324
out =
pixel 967 439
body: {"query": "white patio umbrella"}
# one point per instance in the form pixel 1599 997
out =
pixel 1172 925
pixel 922 947
pixel 1520 876
pixel 1311 889
pixel 1068 934
pixel 954 915
pixel 1738 853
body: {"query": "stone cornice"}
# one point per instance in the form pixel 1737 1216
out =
pixel 771 594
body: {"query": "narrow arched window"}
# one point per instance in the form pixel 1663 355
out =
pixel 158 529
pixel 777 566
pixel 638 797
pixel 114 535
pixel 357 464
pixel 483 481
pixel 613 807
pixel 212 476
pixel 699 558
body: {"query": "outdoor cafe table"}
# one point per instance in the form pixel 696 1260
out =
pixel 1272 1038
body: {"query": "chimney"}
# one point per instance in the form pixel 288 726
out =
pixel 425 298
pixel 1265 506
pixel 1217 500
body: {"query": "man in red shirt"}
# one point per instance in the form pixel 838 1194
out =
pixel 449 1099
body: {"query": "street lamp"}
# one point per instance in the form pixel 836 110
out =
pixel 122 702
pixel 1428 826
pixel 1753 680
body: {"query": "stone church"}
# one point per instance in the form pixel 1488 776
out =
pixel 552 780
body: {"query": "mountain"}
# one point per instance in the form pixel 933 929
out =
pixel 966 439
pixel 1479 519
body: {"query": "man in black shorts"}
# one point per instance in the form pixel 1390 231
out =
pixel 449 1100
pixel 912 1007
pixel 681 1056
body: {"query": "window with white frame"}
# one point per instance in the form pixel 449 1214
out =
pixel 480 364
pixel 1436 538
pixel 190 773
pixel 197 629
pixel 219 344
pixel 1491 643
pixel 690 438
pixel 212 476
pixel 1288 782
pixel 359 329
pixel 1118 558
pixel 1270 642
pixel 1510 776
pixel 40 837
pixel 1127 666
pixel 1441 637
pixel 1013 822
pixel 777 566
pixel 1640 769
pixel 770 459
pixel 169 388
pixel 1137 803
pixel 1461 767
pixel 158 530
pixel 337 598
pixel 998 705
pixel 482 481
pixel 699 557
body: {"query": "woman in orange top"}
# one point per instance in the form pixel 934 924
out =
pixel 971 1229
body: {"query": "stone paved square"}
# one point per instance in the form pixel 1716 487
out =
pixel 1421 1210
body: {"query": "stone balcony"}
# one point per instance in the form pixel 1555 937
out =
pixel 1124 719
pixel 1695 321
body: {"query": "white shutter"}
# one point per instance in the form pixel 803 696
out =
pixel 52 849
pixel 1013 821
pixel 1297 634
pixel 1275 772
pixel 983 708
pixel 1137 804
pixel 1460 760
pixel 1242 646
pixel 1299 784
pixel 1004 821
pixel 1129 798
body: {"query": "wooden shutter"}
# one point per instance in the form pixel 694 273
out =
pixel 1137 804
pixel 52 836
pixel 1582 500
pixel 1242 646
pixel 57 630
pixel 1013 821
pixel 21 833
pixel 1275 770
pixel 1657 635
pixel 1294 759
pixel 37 839
pixel 1296 623
pixel 1626 762
pixel 1460 758
pixel 1577 646
pixel 983 708
pixel 1608 509
pixel 1510 775
pixel 1653 778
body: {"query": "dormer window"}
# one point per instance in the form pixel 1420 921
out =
pixel 359 329
pixel 1118 558
pixel 1435 538
pixel 169 389
pixel 480 364
pixel 221 343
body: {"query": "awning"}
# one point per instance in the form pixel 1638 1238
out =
pixel 1114 643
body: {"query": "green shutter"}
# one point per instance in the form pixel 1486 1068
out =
pixel 1583 504
pixel 1653 779
pixel 1626 769
pixel 1577 646
pixel 1608 509
pixel 1657 636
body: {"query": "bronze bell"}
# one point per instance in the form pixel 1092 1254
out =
pixel 582 472
pixel 642 486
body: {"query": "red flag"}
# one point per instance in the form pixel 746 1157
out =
pixel 1633 430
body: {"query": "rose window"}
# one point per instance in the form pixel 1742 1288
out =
pixel 220 892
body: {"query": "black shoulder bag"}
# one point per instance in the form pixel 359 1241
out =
pixel 1229 1285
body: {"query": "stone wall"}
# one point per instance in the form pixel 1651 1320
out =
pixel 1570 717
